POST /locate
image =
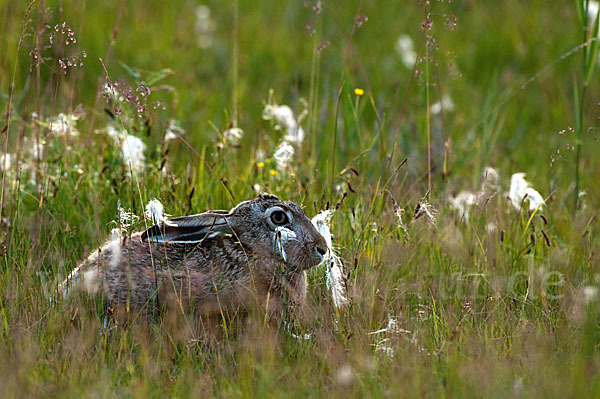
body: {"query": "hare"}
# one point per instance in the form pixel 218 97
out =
pixel 213 261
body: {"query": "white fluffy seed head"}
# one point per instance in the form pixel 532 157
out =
pixel 463 203
pixel 445 105
pixel 125 219
pixel 233 136
pixel 335 276
pixel 64 124
pixel 282 115
pixel 490 180
pixel 173 131
pixel 295 135
pixel 155 211
pixel 405 48
pixel 321 223
pixel 205 27
pixel 520 190
pixel 6 161
pixel 535 199
pixel 283 155
pixel 590 293
pixel 132 149
pixel 335 280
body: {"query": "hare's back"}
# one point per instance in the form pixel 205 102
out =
pixel 140 271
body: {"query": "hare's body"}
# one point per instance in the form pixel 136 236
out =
pixel 211 262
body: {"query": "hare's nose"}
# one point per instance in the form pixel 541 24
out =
pixel 322 251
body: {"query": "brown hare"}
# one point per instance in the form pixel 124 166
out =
pixel 214 261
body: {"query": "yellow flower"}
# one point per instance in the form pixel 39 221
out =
pixel 359 92
pixel 273 172
pixel 260 165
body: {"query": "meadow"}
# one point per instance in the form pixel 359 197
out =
pixel 408 119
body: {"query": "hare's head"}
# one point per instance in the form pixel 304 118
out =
pixel 265 226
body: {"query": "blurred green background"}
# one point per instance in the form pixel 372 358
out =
pixel 478 314
pixel 498 47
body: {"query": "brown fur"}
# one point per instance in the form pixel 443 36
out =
pixel 232 270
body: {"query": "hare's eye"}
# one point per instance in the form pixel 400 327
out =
pixel 279 218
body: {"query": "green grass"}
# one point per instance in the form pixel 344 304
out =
pixel 483 313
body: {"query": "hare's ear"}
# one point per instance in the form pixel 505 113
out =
pixel 189 229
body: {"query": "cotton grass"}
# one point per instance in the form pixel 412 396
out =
pixel 284 119
pixel 405 49
pixel 132 148
pixel 521 191
pixel 333 263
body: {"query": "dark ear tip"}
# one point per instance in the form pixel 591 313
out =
pixel 151 232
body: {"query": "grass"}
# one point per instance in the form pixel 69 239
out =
pixel 480 312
